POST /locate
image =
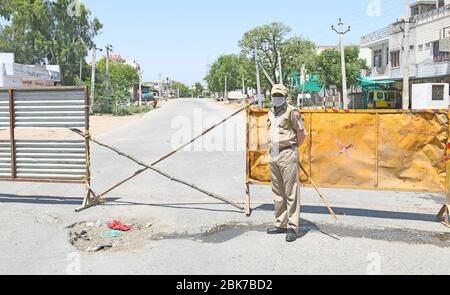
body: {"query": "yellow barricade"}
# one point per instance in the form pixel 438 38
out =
pixel 373 149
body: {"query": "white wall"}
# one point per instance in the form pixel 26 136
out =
pixel 366 54
pixel 429 32
pixel 7 58
pixel 422 97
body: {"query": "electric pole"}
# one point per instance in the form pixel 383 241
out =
pixel 107 90
pixel 81 69
pixel 243 85
pixel 406 56
pixel 140 88
pixel 340 31
pixel 280 67
pixel 94 65
pixel 303 81
pixel 258 82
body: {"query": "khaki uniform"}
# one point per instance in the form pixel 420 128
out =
pixel 285 126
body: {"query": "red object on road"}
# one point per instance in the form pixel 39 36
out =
pixel 117 225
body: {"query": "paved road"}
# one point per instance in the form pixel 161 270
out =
pixel 377 232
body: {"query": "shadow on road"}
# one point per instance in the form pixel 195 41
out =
pixel 76 201
pixel 361 213
pixel 180 206
pixel 43 200
pixel 110 202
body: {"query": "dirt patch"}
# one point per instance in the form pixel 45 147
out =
pixel 104 123
pixel 98 125
pixel 96 236
pixel 235 105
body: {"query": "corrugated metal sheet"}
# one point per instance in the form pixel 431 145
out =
pixel 50 109
pixel 54 160
pixel 44 159
pixel 5 159
pixel 4 109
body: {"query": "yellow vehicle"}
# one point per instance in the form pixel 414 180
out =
pixel 384 99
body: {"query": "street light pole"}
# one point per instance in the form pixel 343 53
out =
pixel 406 56
pixel 341 33
pixel 94 65
pixel 258 82
pixel 280 67
pixel 107 90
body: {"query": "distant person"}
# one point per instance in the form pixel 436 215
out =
pixel 286 134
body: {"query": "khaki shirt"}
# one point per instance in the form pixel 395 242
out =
pixel 279 136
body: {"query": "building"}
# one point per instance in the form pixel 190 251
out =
pixel 17 75
pixel 429 46
pixel 120 59
pixel 152 87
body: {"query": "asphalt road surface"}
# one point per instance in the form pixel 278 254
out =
pixel 190 233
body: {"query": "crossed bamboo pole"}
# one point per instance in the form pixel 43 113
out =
pixel 324 200
pixel 174 151
pixel 99 197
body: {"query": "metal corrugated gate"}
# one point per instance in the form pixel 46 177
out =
pixel 44 159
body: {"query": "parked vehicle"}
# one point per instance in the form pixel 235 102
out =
pixel 384 99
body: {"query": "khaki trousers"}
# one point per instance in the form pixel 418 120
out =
pixel 284 169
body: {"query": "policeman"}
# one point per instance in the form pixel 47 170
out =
pixel 286 134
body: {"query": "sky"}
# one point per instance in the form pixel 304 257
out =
pixel 179 38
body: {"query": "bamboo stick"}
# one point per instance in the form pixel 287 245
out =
pixel 324 200
pixel 212 195
pixel 174 151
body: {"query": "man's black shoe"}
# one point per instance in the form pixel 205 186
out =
pixel 276 231
pixel 291 236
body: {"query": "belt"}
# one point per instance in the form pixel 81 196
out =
pixel 282 149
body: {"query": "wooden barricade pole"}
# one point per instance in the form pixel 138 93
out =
pixel 140 163
pixel 12 139
pixel 248 208
pixel 444 213
pixel 90 197
pixel 98 199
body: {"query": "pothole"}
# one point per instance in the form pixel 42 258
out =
pixel 97 236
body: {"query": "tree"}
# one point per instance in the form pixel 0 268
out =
pixel 123 78
pixel 298 51
pixel 235 68
pixel 267 42
pixel 327 66
pixel 198 89
pixel 44 32
pixel 184 90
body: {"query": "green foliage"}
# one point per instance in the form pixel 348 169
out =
pixel 327 65
pixel 235 68
pixel 131 110
pixel 43 32
pixel 122 79
pixel 198 89
pixel 297 52
pixel 184 90
pixel 267 41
